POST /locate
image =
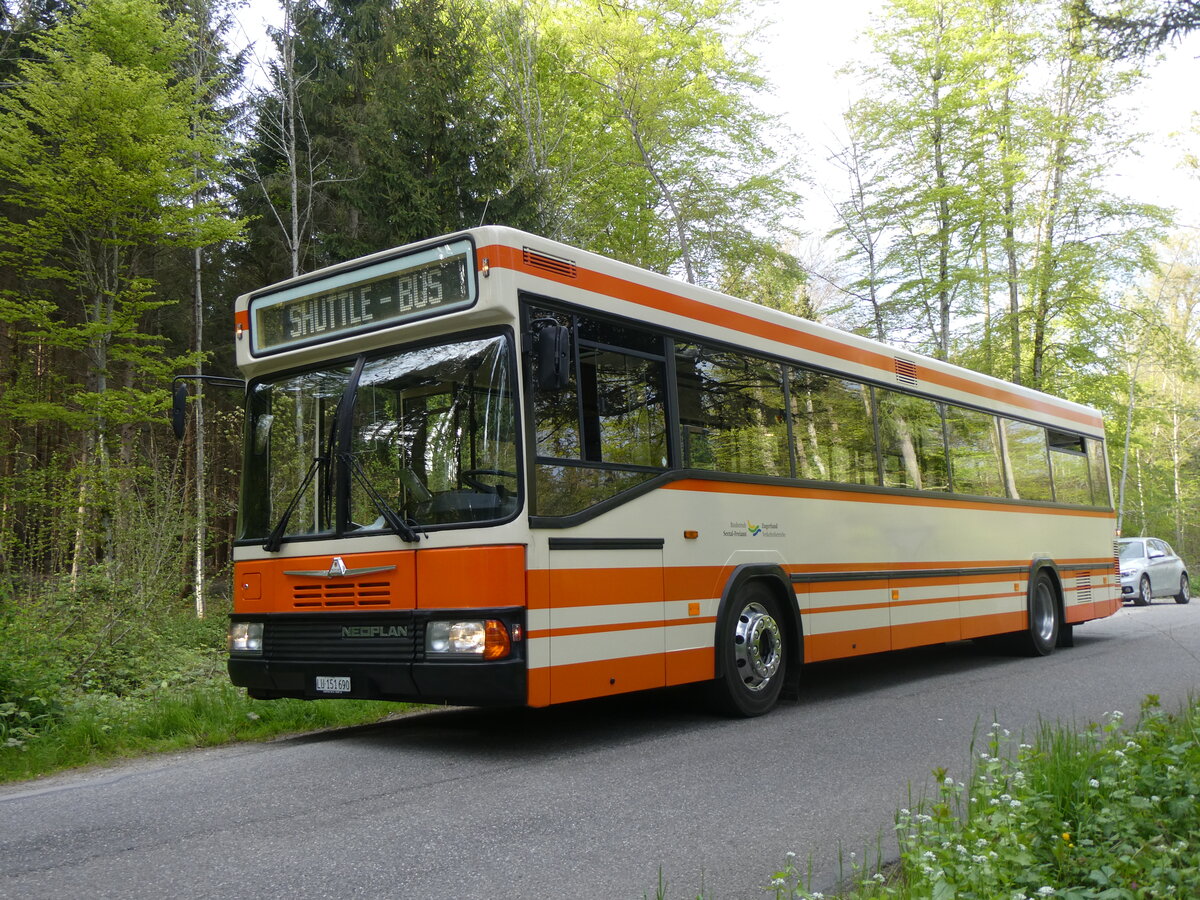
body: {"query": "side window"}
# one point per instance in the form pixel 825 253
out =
pixel 1098 467
pixel 1069 467
pixel 832 429
pixel 605 429
pixel 731 412
pixel 976 464
pixel 623 408
pixel 912 441
pixel 1025 452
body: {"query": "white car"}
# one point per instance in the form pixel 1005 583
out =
pixel 1149 569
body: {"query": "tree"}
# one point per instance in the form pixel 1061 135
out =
pixel 382 127
pixel 671 160
pixel 977 163
pixel 103 153
pixel 1126 31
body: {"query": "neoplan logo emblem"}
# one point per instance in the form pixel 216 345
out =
pixel 374 631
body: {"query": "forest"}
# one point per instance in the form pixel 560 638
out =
pixel 153 166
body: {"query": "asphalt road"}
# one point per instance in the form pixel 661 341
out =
pixel 590 800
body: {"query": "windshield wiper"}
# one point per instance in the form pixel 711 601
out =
pixel 407 533
pixel 275 539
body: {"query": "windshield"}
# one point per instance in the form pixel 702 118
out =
pixel 1132 549
pixel 429 438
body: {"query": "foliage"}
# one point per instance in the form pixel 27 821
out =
pixel 1141 28
pixel 674 164
pixel 86 677
pixel 976 211
pixel 1107 814
pixel 395 135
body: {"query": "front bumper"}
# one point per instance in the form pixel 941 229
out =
pixel 383 656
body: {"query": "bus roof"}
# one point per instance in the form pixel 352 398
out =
pixel 551 269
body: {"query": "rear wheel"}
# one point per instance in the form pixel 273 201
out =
pixel 1143 596
pixel 1041 636
pixel 1185 590
pixel 752 652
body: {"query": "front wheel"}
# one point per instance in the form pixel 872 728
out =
pixel 1143 596
pixel 1041 635
pixel 1185 590
pixel 752 653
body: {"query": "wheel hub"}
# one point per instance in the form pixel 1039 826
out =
pixel 757 647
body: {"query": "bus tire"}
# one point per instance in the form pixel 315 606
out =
pixel 752 651
pixel 1045 618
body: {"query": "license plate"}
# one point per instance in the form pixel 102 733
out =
pixel 327 684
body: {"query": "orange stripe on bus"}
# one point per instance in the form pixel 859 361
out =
pixel 618 626
pixel 773 490
pixel 917 634
pixel 1104 563
pixel 604 587
pixel 686 666
pixel 674 304
pixel 579 681
pixel 894 604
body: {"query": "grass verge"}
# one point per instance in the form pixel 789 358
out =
pixel 98 728
pixel 1108 813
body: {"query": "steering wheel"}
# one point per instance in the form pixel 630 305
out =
pixel 470 476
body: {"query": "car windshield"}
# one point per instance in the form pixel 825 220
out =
pixel 1133 549
pixel 424 435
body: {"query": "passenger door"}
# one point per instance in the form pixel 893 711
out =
pixel 607 612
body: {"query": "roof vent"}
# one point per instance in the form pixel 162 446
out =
pixel 564 268
pixel 906 372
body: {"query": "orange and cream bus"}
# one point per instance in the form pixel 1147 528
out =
pixel 492 469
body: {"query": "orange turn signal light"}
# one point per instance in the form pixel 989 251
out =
pixel 496 643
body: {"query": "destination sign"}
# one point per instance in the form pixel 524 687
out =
pixel 431 281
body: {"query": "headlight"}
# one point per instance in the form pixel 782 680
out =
pixel 486 639
pixel 245 637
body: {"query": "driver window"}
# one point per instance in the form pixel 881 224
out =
pixel 605 429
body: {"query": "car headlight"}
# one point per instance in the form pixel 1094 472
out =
pixel 245 637
pixel 476 639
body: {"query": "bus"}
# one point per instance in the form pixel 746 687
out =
pixel 492 469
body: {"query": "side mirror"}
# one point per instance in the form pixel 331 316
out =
pixel 179 409
pixel 552 344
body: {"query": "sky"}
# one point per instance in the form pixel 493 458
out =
pixel 812 39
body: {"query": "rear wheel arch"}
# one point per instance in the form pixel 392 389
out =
pixel 744 584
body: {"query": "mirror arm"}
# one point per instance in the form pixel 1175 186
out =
pixel 179 395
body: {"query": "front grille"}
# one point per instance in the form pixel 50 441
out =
pixel 333 638
pixel 339 594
